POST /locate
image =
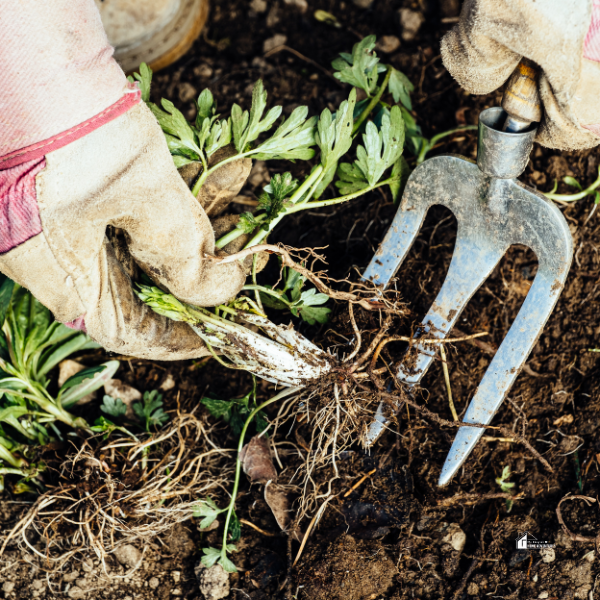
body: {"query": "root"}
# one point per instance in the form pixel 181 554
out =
pixel 125 492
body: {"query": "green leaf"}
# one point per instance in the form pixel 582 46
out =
pixel 350 179
pixel 312 298
pixel 272 302
pixel 247 127
pixel 150 411
pixel 114 407
pixel 219 409
pixel 144 77
pixel 248 222
pixel 400 171
pixel 312 314
pixel 227 565
pixel 85 382
pixel 181 161
pixel 207 510
pixel 218 137
pixel 63 343
pixel 334 132
pixel 381 148
pixel 206 107
pixel 572 182
pixel 281 186
pixel 293 281
pixel 235 529
pixel 400 88
pixel 211 556
pixel 360 69
pixel 292 140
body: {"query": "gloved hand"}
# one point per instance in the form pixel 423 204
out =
pixel 562 37
pixel 79 151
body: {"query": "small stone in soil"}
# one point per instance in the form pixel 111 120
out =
pixel 274 42
pixel 410 23
pixel 204 71
pixel 186 92
pixel 128 555
pixel 153 583
pixel 213 582
pixel 301 5
pixel 388 44
pixel 258 6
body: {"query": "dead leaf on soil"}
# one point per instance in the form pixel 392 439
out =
pixel 257 462
pixel 279 499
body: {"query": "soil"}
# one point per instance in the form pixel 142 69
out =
pixel 397 535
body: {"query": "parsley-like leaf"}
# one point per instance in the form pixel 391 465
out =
pixel 248 222
pixel 114 407
pixel 208 511
pixel 150 411
pixel 334 132
pixel 400 87
pixel 144 78
pixel 248 126
pixel 361 68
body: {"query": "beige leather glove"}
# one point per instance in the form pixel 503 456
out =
pixel 122 175
pixel 561 36
pixel 81 154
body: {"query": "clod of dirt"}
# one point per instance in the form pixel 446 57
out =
pixel 388 44
pixel 452 545
pixel 257 462
pixel 548 555
pixel 274 42
pixel 299 5
pixel 410 23
pixel 66 370
pixel 258 6
pixel 128 555
pixel 455 536
pixel 167 384
pixel 213 582
pixel 344 572
pixel 180 542
pixel 363 3
pixel 187 92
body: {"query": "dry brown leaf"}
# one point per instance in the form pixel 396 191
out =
pixel 280 500
pixel 257 462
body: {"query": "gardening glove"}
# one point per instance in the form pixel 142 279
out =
pixel 79 152
pixel 561 36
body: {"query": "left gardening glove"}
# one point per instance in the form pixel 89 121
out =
pixel 79 151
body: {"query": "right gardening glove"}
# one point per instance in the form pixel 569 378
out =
pixel 561 36
pixel 80 153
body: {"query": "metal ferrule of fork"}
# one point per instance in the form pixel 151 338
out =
pixel 494 211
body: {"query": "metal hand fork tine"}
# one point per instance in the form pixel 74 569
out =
pixel 458 288
pixel 494 211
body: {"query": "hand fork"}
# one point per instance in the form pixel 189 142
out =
pixel 494 211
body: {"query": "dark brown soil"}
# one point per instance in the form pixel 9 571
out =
pixel 398 535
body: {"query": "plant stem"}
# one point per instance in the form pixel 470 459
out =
pixel 429 144
pixel 309 183
pixel 574 197
pixel 340 199
pixel 374 101
pixel 238 465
